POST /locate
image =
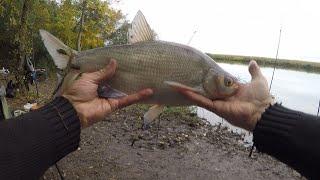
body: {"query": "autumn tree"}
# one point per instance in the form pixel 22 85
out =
pixel 61 18
pixel 120 36
pixel 10 10
pixel 100 21
pixel 84 6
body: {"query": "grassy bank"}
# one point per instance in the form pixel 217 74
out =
pixel 269 62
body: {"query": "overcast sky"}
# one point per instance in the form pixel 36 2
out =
pixel 246 27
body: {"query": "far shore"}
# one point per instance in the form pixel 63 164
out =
pixel 298 65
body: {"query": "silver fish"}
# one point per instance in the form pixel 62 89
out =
pixel 147 63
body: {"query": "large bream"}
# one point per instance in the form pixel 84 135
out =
pixel 146 63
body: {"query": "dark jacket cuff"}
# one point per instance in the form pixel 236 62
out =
pixel 65 126
pixel 289 136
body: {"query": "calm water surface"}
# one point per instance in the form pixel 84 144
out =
pixel 294 89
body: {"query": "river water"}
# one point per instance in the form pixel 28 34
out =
pixel 294 89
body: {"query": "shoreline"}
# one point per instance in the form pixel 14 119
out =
pixel 182 146
pixel 297 65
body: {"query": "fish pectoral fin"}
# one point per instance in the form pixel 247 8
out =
pixel 153 112
pixel 106 91
pixel 176 85
pixel 140 30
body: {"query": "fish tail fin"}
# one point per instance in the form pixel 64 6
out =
pixel 61 55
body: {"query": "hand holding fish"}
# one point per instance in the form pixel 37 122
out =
pixel 84 97
pixel 244 109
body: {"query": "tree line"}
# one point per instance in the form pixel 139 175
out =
pixel 80 24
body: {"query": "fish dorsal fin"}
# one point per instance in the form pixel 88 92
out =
pixel 59 52
pixel 140 30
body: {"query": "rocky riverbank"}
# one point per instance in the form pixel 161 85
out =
pixel 182 146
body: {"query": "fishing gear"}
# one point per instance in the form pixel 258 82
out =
pixel 59 172
pixel 274 69
pixel 31 75
pixel 318 110
pixel 276 60
pixel 194 33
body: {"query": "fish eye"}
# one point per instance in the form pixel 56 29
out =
pixel 228 82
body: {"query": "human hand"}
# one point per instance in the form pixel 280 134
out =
pixel 89 106
pixel 245 108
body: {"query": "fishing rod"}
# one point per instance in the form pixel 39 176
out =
pixel 318 110
pixel 276 60
pixel 194 33
pixel 274 69
pixel 34 73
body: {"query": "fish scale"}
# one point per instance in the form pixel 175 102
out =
pixel 148 65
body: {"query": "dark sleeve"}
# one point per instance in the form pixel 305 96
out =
pixel 292 137
pixel 31 143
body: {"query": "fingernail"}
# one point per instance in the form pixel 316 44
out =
pixel 148 92
pixel 112 62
